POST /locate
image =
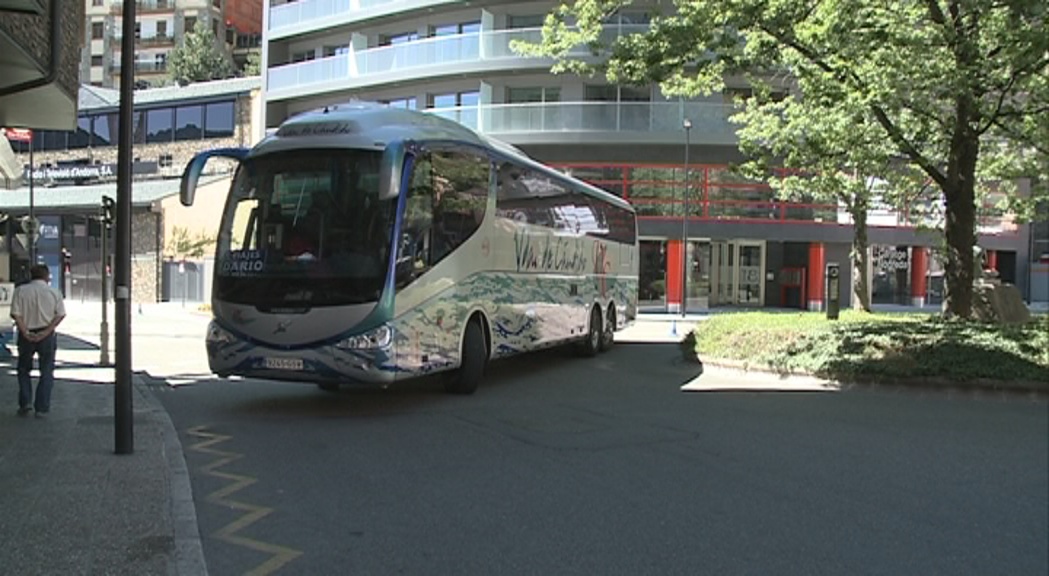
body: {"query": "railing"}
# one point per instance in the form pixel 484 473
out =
pixel 293 13
pixel 145 67
pixel 424 53
pixel 156 41
pixel 144 6
pixel 709 119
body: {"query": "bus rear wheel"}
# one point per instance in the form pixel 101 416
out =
pixel 468 377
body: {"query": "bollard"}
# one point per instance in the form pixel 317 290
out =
pixel 673 327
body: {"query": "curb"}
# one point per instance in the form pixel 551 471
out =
pixel 188 558
pixel 1014 386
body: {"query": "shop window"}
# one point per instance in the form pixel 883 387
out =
pixel 189 123
pixel 218 122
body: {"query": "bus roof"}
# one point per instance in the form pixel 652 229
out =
pixel 371 126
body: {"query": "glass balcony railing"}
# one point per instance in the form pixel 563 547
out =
pixel 317 11
pixel 425 53
pixel 310 72
pixel 710 122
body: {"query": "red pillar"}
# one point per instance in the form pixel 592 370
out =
pixel 674 275
pixel 817 264
pixel 919 273
pixel 992 260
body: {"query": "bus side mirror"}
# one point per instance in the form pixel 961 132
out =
pixel 195 167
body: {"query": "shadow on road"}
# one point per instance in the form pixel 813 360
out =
pixel 551 375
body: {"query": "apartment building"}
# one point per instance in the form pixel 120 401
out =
pixel 159 27
pixel 730 243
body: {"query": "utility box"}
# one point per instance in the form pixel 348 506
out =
pixel 833 290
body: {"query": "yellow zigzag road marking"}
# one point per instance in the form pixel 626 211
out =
pixel 252 513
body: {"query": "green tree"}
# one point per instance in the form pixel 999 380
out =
pixel 181 245
pixel 830 152
pixel 958 88
pixel 253 66
pixel 198 58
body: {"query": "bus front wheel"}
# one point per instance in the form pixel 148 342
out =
pixel 590 345
pixel 608 335
pixel 468 377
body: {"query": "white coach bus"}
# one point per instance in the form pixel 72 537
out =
pixel 362 244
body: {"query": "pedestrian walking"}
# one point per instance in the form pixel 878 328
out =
pixel 37 309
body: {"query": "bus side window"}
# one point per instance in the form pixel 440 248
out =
pixel 461 182
pixel 413 251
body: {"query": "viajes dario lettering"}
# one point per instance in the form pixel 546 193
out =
pixel 549 254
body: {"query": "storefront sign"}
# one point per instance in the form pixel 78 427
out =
pixel 85 171
pixel 889 259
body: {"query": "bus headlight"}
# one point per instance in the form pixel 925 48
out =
pixel 217 335
pixel 380 337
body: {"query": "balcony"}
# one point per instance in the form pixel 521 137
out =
pixel 144 7
pixel 143 67
pixel 596 121
pixel 373 65
pixel 155 41
pixel 317 12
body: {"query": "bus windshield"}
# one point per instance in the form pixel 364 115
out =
pixel 303 229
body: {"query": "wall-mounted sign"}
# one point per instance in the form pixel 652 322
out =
pixel 18 134
pixel 85 171
pixel 890 259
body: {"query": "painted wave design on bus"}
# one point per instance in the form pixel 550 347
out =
pixel 525 312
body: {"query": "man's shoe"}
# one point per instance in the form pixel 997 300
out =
pixel 23 411
pixel 41 415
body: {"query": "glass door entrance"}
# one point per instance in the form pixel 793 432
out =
pixel 737 270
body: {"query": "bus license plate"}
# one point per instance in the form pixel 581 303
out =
pixel 282 363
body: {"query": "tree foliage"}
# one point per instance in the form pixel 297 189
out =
pixel 182 246
pixel 955 89
pixel 253 66
pixel 198 58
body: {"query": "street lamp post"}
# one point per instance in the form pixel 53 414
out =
pixel 684 226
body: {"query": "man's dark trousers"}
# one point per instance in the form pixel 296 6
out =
pixel 45 350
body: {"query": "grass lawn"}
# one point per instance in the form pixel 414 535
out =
pixel 884 346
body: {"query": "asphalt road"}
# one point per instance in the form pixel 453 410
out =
pixel 561 465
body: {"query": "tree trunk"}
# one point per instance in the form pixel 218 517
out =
pixel 960 230
pixel 860 258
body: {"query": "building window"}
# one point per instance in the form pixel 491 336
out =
pixel 98 30
pixel 303 56
pixel 335 50
pixel 165 161
pixel 191 24
pixel 96 3
pixel 532 95
pixel 394 39
pixel 138 30
pixel 96 60
pixel 82 137
pixel 405 103
pixel 215 28
pixel 216 3
pixel 218 120
pixel 159 124
pixel 162 29
pixel 525 21
pixel 161 61
pixel 189 123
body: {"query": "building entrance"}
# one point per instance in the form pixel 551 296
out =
pixel 719 273
pixel 737 270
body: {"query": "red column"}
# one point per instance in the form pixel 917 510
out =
pixel 674 275
pixel 817 264
pixel 992 260
pixel 919 272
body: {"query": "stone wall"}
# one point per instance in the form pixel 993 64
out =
pixel 145 257
pixel 33 33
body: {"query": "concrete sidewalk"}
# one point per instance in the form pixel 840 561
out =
pixel 71 505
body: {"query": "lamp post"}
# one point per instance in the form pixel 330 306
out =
pixel 687 124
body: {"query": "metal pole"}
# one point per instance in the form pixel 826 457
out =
pixel 104 339
pixel 684 228
pixel 32 208
pixel 123 422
